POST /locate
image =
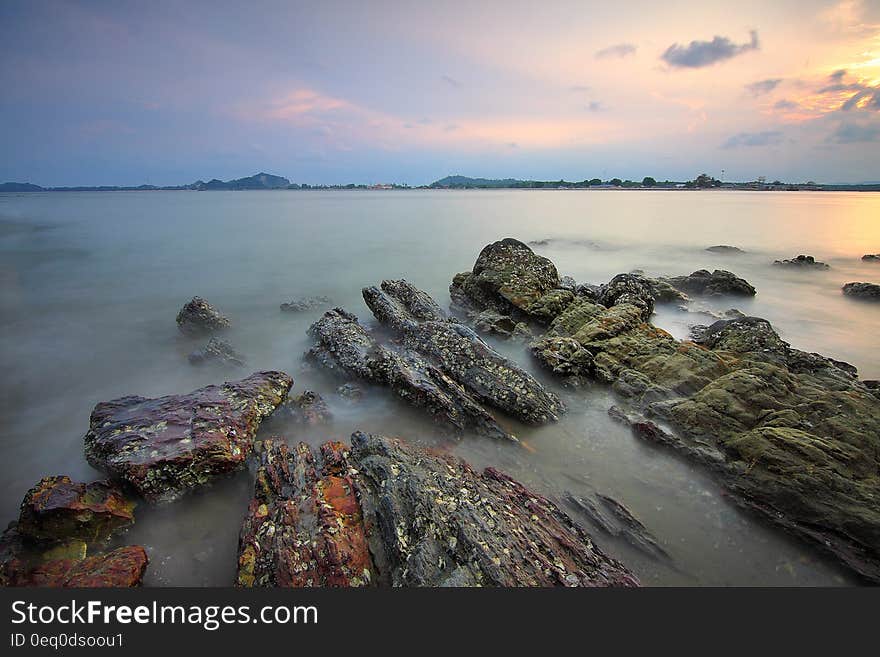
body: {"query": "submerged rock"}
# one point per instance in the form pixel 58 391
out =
pixel 58 508
pixel 304 304
pixel 350 392
pixel 718 282
pixel 864 291
pixel 461 354
pixel 309 408
pixel 345 347
pixel 725 249
pixel 165 446
pixel 217 352
pixel 388 514
pixel 199 317
pixel 801 262
pixel 614 519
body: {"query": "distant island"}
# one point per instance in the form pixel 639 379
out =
pixel 268 181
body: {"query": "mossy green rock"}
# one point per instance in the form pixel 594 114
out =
pixel 797 434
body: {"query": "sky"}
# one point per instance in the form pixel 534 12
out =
pixel 123 92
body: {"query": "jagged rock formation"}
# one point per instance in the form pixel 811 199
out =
pixel 484 373
pixel 198 317
pixel 165 446
pixel 344 346
pixel 385 513
pixel 794 435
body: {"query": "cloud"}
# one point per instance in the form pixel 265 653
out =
pixel 855 133
pixel 452 82
pixel 619 50
pixel 765 138
pixel 853 95
pixel 763 86
pixel 595 106
pixel 785 105
pixel 698 54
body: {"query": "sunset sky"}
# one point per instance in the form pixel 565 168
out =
pixel 333 92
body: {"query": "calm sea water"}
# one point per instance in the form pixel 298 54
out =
pixel 90 284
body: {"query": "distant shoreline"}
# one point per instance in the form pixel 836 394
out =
pixel 270 182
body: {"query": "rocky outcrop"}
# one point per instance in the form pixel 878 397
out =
pixel 459 352
pixel 717 283
pixel 217 352
pixel 343 346
pixel 198 317
pixel 801 262
pixel 60 519
pixel 165 446
pixel 57 506
pixel 510 278
pixel 725 249
pixel 871 257
pixel 630 289
pixel 304 526
pixel 388 514
pixel 793 435
pixel 304 304
pixel 21 564
pixel 863 291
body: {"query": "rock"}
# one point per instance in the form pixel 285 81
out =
pixel 69 567
pixel 614 519
pixel 461 354
pixel 567 283
pixel 588 291
pixel 719 282
pixel 343 346
pixel 871 257
pixel 725 249
pixel 630 289
pixel 388 514
pixel 795 436
pixel 309 409
pixel 304 304
pixel 165 446
pixel 350 391
pixel 863 291
pixel 801 262
pixel 507 276
pixel 218 352
pixel 199 317
pixel 58 508
pixel 494 323
pixel 304 526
